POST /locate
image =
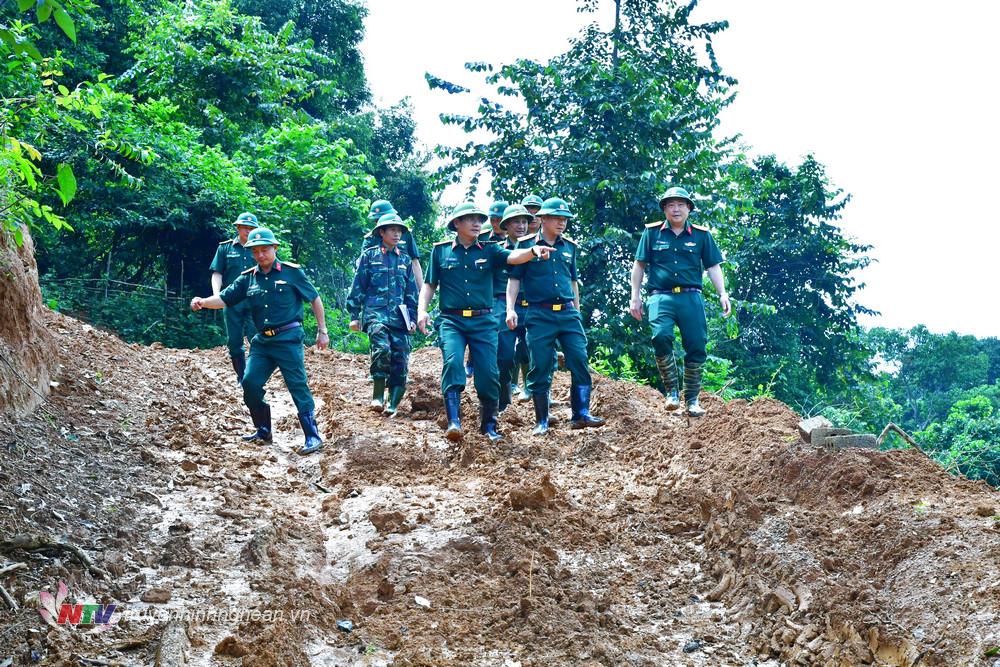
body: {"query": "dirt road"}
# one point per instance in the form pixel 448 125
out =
pixel 653 541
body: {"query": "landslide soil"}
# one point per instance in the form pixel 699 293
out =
pixel 656 540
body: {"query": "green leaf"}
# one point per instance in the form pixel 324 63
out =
pixel 66 23
pixel 25 5
pixel 67 183
pixel 7 36
pixel 43 12
pixel 992 652
pixel 63 90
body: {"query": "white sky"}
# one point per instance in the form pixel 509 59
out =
pixel 897 98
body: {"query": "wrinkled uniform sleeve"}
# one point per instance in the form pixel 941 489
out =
pixel 218 264
pixel 236 292
pixel 433 272
pixel 356 299
pixel 304 287
pixel 642 253
pixel 410 295
pixel 518 270
pixel 710 253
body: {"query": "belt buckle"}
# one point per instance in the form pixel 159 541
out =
pixel 524 302
pixel 557 306
pixel 675 290
pixel 268 332
pixel 466 313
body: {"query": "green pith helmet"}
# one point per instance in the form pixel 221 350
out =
pixel 260 236
pixel 497 208
pixel 555 206
pixel 466 208
pixel 676 193
pixel 532 200
pixel 390 219
pixel 247 220
pixel 515 211
pixel 380 208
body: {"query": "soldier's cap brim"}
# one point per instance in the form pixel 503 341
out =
pixel 554 211
pixel 664 200
pixel 260 242
pixel 480 214
pixel 527 218
pixel 397 223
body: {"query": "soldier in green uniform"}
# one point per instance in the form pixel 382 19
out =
pixel 495 234
pixel 383 286
pixel 232 258
pixel 514 224
pixel 409 245
pixel 675 252
pixel 275 291
pixel 533 203
pixel 464 269
pixel 553 315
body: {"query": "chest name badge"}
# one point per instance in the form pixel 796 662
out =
pixel 690 244
pixel 480 261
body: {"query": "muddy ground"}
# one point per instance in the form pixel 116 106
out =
pixel 656 540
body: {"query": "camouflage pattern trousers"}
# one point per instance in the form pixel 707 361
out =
pixel 390 352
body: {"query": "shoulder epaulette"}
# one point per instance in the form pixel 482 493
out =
pixel 704 229
pixel 291 264
pixel 650 225
pixel 225 242
pixel 525 237
pixel 566 238
pixel 443 242
pixel 250 270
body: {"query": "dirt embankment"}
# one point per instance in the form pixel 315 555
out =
pixel 27 348
pixel 653 541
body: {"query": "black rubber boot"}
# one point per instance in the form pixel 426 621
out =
pixel 261 417
pixel 579 400
pixel 488 420
pixel 313 441
pixel 240 366
pixel 668 375
pixel 692 387
pixel 453 408
pixel 505 396
pixel 541 402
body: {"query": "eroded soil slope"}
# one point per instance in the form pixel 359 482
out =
pixel 653 541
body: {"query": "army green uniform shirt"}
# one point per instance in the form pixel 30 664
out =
pixel 499 277
pixel 231 259
pixel 383 282
pixel 551 280
pixel 676 260
pixel 465 275
pixel 275 297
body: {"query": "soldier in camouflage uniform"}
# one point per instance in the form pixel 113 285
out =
pixel 232 258
pixel 408 244
pixel 384 284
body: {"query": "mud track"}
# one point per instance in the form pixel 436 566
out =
pixel 653 541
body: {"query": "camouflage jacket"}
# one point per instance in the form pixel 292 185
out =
pixel 383 282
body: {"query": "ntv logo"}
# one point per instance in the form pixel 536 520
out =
pixel 56 612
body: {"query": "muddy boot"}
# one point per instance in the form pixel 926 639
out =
pixel 378 394
pixel 692 387
pixel 395 396
pixel 261 417
pixel 240 366
pixel 668 375
pixel 453 408
pixel 313 441
pixel 524 395
pixel 488 420
pixel 579 400
pixel 541 402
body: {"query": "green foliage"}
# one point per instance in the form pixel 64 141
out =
pixel 968 441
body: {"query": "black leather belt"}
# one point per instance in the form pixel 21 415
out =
pixel 466 312
pixel 274 331
pixel 675 290
pixel 565 305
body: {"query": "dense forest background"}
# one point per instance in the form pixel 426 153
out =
pixel 134 131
